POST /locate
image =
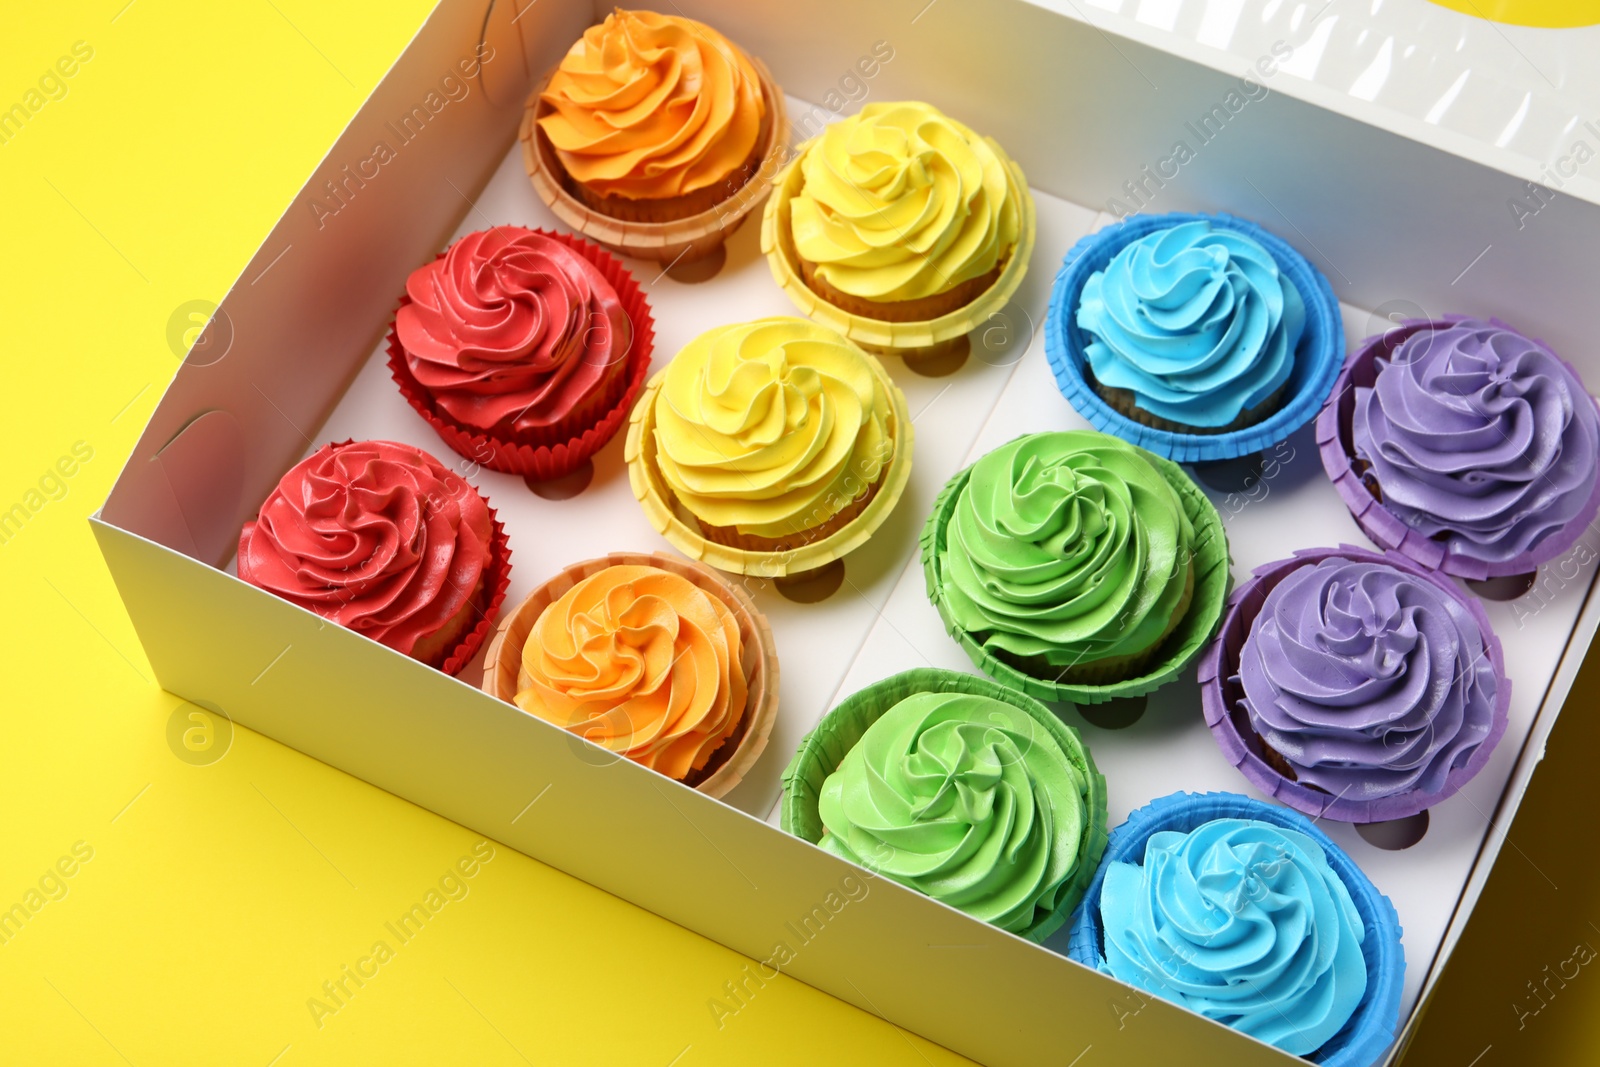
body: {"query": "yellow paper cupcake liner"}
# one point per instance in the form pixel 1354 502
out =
pixel 682 531
pixel 879 335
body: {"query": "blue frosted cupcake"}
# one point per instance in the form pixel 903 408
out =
pixel 1244 912
pixel 1199 337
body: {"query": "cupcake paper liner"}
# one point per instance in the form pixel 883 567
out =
pixel 822 749
pixel 544 461
pixel 497 576
pixel 1363 1040
pixel 1230 725
pixel 1317 359
pixel 1388 530
pixel 738 754
pixel 682 531
pixel 1212 580
pixel 684 239
pixel 879 335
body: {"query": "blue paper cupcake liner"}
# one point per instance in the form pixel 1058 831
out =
pixel 1318 358
pixel 1363 1040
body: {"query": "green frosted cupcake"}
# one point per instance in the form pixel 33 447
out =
pixel 1076 566
pixel 961 789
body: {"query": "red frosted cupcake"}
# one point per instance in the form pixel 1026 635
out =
pixel 381 538
pixel 523 348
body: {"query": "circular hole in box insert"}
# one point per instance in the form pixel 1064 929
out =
pixel 1117 713
pixel 809 587
pixel 1392 835
pixel 692 270
pixel 1229 475
pixel 942 359
pixel 1506 587
pixel 565 487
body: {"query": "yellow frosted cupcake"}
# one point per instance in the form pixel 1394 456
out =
pixel 767 437
pixel 653 118
pixel 901 213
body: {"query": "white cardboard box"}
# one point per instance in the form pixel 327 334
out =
pixel 1085 103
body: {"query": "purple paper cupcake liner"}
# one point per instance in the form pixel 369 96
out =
pixel 1363 1040
pixel 1336 443
pixel 1220 695
pixel 1318 357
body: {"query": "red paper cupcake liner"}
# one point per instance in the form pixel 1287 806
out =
pixel 496 579
pixel 545 462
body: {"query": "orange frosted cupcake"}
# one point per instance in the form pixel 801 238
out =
pixel 654 118
pixel 652 658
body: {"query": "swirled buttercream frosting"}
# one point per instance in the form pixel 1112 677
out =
pixel 772 426
pixel 1367 680
pixel 1066 547
pixel 1478 436
pixel 648 106
pixel 640 661
pixel 510 330
pixel 966 799
pixel 1243 922
pixel 374 535
pixel 1197 322
pixel 902 202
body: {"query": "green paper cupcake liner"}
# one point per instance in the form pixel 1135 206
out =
pixel 822 750
pixel 1213 580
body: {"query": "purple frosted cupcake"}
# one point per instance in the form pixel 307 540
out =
pixel 1465 445
pixel 1355 685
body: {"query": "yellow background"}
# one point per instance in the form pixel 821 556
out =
pixel 220 898
pixel 1531 12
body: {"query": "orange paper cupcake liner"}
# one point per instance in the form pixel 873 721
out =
pixel 733 759
pixel 643 237
pixel 562 449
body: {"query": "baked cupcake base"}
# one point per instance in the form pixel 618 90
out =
pixel 685 533
pixel 1363 1040
pixel 921 310
pixel 1126 402
pixel 734 758
pixel 1364 497
pixel 486 604
pixel 730 536
pixel 1220 696
pixel 821 750
pixel 1317 358
pixel 677 241
pixel 1212 580
pixel 560 450
pixel 1111 669
pixel 908 337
